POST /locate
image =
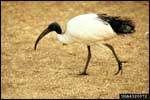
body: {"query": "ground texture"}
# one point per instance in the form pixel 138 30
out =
pixel 52 71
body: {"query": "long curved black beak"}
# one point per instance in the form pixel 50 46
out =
pixel 41 36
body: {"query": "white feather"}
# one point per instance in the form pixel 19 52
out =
pixel 86 28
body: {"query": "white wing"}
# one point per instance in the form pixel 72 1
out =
pixel 89 27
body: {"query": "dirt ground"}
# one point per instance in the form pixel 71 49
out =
pixel 52 71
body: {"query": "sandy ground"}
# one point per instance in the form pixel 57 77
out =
pixel 52 71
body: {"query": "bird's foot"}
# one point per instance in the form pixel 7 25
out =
pixel 83 73
pixel 120 66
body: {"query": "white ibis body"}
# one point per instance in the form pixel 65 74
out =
pixel 89 28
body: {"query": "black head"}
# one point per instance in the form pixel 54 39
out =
pixel 55 27
pixel 52 27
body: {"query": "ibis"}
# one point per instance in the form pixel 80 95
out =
pixel 90 28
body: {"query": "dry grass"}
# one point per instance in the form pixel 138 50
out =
pixel 52 71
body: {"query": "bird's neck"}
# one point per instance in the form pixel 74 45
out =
pixel 64 38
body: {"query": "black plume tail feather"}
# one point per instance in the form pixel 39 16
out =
pixel 119 25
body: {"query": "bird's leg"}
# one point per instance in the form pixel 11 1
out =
pixel 88 60
pixel 117 59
